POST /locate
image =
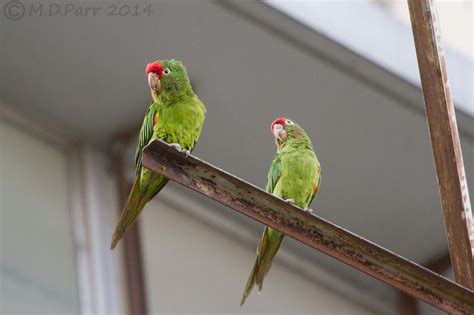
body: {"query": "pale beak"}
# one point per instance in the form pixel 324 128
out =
pixel 154 82
pixel 279 132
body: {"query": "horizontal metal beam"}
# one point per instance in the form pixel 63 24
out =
pixel 308 228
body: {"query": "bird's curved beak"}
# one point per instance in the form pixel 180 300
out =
pixel 154 82
pixel 279 132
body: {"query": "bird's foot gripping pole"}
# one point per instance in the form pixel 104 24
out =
pixel 177 147
pixel 186 152
pixel 292 202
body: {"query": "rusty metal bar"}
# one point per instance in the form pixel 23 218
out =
pixel 137 303
pixel 444 139
pixel 309 229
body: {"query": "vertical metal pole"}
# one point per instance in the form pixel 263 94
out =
pixel 131 243
pixel 407 305
pixel 444 139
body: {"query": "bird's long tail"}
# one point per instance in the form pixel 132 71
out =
pixel 267 250
pixel 133 207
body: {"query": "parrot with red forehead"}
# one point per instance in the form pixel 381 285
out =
pixel 175 116
pixel 295 175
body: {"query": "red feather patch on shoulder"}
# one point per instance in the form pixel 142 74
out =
pixel 154 67
pixel 155 120
pixel 280 120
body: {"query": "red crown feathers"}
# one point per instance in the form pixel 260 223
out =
pixel 154 67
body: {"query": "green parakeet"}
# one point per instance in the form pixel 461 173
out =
pixel 295 175
pixel 175 116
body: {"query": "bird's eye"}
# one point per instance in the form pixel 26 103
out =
pixel 167 71
pixel 288 122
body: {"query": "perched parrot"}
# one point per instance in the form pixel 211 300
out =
pixel 175 116
pixel 295 175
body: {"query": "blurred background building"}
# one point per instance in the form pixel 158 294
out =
pixel 73 93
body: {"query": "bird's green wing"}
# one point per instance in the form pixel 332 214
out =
pixel 316 188
pixel 146 132
pixel 273 174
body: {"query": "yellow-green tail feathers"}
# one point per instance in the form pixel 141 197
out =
pixel 250 283
pixel 266 252
pixel 130 212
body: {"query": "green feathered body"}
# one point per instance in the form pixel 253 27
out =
pixel 295 174
pixel 177 122
pixel 175 116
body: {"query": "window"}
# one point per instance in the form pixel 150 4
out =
pixel 37 258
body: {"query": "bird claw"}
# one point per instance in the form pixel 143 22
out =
pixel 292 202
pixel 175 146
